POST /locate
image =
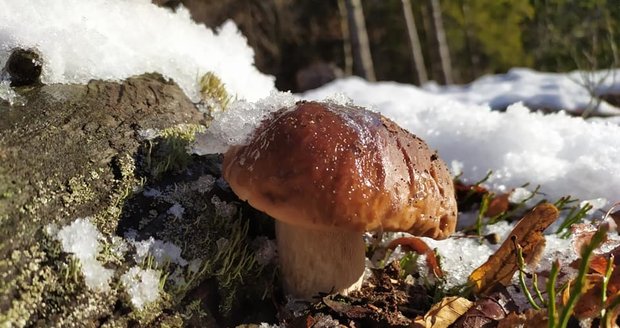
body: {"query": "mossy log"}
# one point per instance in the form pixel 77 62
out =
pixel 68 152
pixel 62 153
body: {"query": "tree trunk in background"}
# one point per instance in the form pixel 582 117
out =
pixel 474 68
pixel 362 60
pixel 346 38
pixel 442 44
pixel 414 40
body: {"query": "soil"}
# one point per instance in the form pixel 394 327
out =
pixel 385 300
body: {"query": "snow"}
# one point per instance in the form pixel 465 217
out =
pixel 112 40
pixel 7 93
pixel 459 257
pixel 550 91
pixel 222 208
pixel 234 125
pixel 81 238
pixel 142 285
pixel 163 252
pixel 597 204
pixel 176 210
pixel 519 195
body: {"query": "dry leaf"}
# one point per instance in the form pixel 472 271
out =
pixel 582 235
pixel 444 313
pixel 498 205
pixel 418 245
pixel 488 310
pixel 346 309
pixel 468 196
pixel 530 318
pixel 598 264
pixel 501 266
pixel 589 303
pixel 465 188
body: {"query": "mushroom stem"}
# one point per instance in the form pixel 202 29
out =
pixel 313 261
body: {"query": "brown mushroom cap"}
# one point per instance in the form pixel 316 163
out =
pixel 323 165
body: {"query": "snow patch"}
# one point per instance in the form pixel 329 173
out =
pixel 519 195
pixel 7 93
pixel 539 90
pixel 81 238
pixel 142 285
pixel 78 43
pixel 176 210
pixel 236 124
pixel 162 251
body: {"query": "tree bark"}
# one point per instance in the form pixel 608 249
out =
pixel 442 44
pixel 414 40
pixel 362 58
pixel 474 58
pixel 346 38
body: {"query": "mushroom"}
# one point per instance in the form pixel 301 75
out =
pixel 329 172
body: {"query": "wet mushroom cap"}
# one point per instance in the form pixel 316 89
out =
pixel 325 166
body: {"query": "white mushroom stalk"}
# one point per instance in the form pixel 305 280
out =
pixel 314 261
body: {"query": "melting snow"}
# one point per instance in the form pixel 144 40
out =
pixel 162 251
pixel 550 91
pixel 7 93
pixel 81 238
pixel 141 285
pixel 234 125
pixel 112 40
pixel 176 210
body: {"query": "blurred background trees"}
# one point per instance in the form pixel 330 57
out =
pixel 306 43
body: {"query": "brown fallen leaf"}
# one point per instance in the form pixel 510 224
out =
pixel 528 233
pixel 468 196
pixel 488 310
pixel 346 309
pixel 582 235
pixel 418 245
pixel 529 318
pixel 598 264
pixel 589 303
pixel 498 205
pixel 444 313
